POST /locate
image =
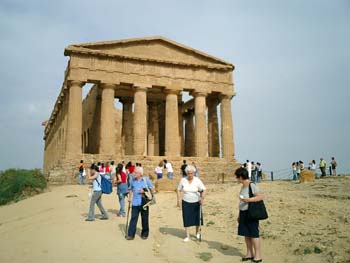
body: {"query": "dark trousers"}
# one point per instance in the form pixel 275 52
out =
pixel 136 210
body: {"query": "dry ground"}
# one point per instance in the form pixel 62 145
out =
pixel 308 223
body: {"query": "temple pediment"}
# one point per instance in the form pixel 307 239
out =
pixel 156 49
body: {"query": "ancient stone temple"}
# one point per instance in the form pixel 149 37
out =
pixel 173 99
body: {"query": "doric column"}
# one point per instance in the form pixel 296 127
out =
pixel 181 132
pixel 140 120
pixel 107 125
pixel 153 130
pixel 74 118
pixel 213 128
pixel 201 139
pixel 172 143
pixel 227 143
pixel 127 126
pixel 189 133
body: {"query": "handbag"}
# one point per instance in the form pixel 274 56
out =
pixel 147 198
pixel 256 210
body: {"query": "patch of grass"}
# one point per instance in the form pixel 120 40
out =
pixel 317 250
pixel 16 184
pixel 205 256
pixel 210 223
pixel 307 251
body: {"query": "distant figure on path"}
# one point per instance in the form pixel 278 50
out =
pixel 249 168
pixel 97 194
pixel 323 167
pixel 294 169
pixel 122 188
pixel 259 172
pixel 247 227
pixel 334 166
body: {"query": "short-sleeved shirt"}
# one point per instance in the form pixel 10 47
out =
pixel 191 190
pixel 158 170
pixel 245 192
pixel 135 186
pixel 96 184
pixel 169 167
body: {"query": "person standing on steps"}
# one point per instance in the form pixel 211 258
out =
pixel 169 168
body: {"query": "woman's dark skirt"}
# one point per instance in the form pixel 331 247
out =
pixel 247 227
pixel 190 214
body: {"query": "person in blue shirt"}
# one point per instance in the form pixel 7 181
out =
pixel 136 190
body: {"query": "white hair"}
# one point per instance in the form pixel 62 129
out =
pixel 139 169
pixel 190 168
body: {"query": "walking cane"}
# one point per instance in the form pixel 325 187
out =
pixel 127 221
pixel 200 223
pixel 200 219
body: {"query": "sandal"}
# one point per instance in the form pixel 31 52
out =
pixel 247 259
pixel 256 260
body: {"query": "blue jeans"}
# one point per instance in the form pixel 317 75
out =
pixel 136 210
pixel 96 199
pixel 170 175
pixel 81 178
pixel 294 175
pixel 159 176
pixel 122 192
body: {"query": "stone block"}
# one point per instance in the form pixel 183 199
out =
pixel 307 176
pixel 166 184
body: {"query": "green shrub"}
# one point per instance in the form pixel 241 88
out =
pixel 15 184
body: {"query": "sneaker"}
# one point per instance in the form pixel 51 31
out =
pixel 144 237
pixel 104 218
pixel 89 219
pixel 186 239
pixel 198 236
pixel 129 238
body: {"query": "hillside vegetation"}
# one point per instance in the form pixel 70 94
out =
pixel 16 184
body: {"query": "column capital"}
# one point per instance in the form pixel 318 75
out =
pixel 199 93
pixel 104 85
pixel 225 96
pixel 75 83
pixel 213 100
pixel 171 91
pixel 141 87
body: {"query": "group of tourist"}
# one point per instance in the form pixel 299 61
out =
pixel 254 171
pixel 191 193
pixel 298 167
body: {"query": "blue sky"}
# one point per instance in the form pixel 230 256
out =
pixel 292 71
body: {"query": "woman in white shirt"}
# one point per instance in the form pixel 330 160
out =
pixel 192 192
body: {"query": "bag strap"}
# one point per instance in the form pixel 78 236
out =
pixel 250 191
pixel 99 185
pixel 145 182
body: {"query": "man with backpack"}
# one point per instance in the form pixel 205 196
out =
pixel 97 194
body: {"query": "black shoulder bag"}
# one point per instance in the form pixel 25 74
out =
pixel 256 210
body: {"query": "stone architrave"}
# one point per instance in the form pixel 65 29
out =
pixel 213 128
pixel 226 128
pixel 153 131
pixel 74 118
pixel 127 130
pixel 107 127
pixel 140 120
pixel 172 142
pixel 201 139
pixel 189 133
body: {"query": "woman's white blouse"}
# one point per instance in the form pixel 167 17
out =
pixel 191 190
